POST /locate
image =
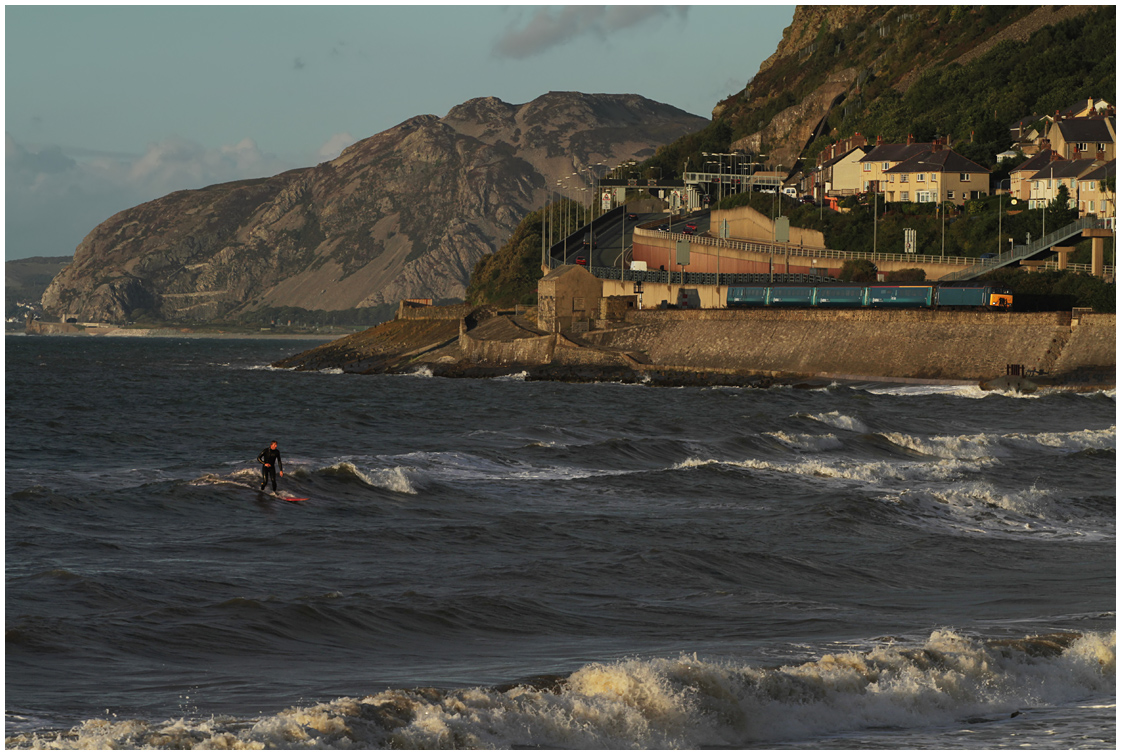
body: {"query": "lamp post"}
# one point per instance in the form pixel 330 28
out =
pixel 1000 210
pixel 941 208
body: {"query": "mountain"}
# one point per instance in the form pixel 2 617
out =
pixel 961 72
pixel 26 279
pixel 405 213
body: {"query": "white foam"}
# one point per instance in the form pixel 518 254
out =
pixel 983 445
pixel 840 421
pixel 683 702
pixel 874 472
pixel 811 443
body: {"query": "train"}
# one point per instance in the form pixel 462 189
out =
pixel 856 295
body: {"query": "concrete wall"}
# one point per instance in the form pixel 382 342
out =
pixel 1092 343
pixel 883 343
pixel 751 225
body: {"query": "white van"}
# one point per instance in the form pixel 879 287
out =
pixel 638 265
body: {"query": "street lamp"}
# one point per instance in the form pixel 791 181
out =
pixel 1000 210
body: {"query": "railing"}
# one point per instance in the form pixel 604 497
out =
pixel 1024 251
pixel 678 277
pixel 808 251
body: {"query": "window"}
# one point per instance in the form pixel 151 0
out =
pixel 933 176
pixel 922 177
pixel 949 195
pixel 1092 185
pixel 902 178
pixel 964 177
pixel 1091 205
pixel 867 167
pixel 887 165
pixel 904 196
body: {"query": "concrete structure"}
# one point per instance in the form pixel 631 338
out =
pixel 568 299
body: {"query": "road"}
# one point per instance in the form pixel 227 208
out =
pixel 616 239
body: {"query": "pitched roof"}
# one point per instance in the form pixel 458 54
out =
pixel 942 161
pixel 864 148
pixel 1108 170
pixel 894 153
pixel 1065 169
pixel 1035 162
pixel 1085 130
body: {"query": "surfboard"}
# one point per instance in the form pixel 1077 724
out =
pixel 292 500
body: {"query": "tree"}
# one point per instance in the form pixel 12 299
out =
pixel 858 271
pixel 906 275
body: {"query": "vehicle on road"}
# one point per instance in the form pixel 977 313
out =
pixel 691 226
pixel 664 227
pixel 632 216
pixel 582 260
pixel 590 240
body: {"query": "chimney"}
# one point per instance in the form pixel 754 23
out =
pixel 879 141
pixel 1044 144
pixel 910 138
pixel 1100 155
pixel 1076 155
pixel 937 146
pixel 1055 156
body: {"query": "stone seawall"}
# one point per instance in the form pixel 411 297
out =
pixel 884 343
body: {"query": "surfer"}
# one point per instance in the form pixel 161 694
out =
pixel 270 465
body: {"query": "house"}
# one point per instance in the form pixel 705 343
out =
pixel 1046 182
pixel 1076 138
pixel 840 171
pixel 1020 176
pixel 941 175
pixel 1093 197
pixel 884 157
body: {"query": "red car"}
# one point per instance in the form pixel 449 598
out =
pixel 582 260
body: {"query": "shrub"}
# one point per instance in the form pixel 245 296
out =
pixel 858 271
pixel 906 275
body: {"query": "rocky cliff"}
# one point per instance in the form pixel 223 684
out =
pixel 405 213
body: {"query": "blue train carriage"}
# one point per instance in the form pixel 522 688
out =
pixel 790 296
pixel 840 295
pixel 976 296
pixel 747 296
pixel 899 296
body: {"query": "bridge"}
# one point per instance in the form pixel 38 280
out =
pixel 1095 228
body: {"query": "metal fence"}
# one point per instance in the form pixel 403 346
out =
pixel 678 277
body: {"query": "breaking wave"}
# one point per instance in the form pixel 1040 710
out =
pixel 682 702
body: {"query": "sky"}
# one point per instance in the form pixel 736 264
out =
pixel 110 106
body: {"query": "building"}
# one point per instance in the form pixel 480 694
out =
pixel 568 298
pixel 1020 177
pixel 1077 138
pixel 1097 199
pixel 1046 182
pixel 941 175
pixel 883 157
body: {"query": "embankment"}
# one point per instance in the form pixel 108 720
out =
pixel 743 346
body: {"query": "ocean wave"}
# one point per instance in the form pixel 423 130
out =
pixel 839 421
pixel 394 479
pixel 682 702
pixel 803 442
pixel 984 445
pixel 874 472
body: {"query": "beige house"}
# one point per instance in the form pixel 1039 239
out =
pixel 1093 197
pixel 1021 176
pixel 568 299
pixel 875 165
pixel 941 175
pixel 1079 138
pixel 1047 181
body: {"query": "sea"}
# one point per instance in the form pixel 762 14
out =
pixel 506 563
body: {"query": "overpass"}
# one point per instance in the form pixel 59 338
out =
pixel 1097 229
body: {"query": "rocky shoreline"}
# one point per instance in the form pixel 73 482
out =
pixel 718 348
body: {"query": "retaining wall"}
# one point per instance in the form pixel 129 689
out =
pixel 905 343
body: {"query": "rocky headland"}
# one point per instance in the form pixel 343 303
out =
pixel 405 213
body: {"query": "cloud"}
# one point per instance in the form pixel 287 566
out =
pixel 548 28
pixel 55 196
pixel 334 146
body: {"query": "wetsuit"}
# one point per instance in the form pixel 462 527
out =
pixel 270 462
